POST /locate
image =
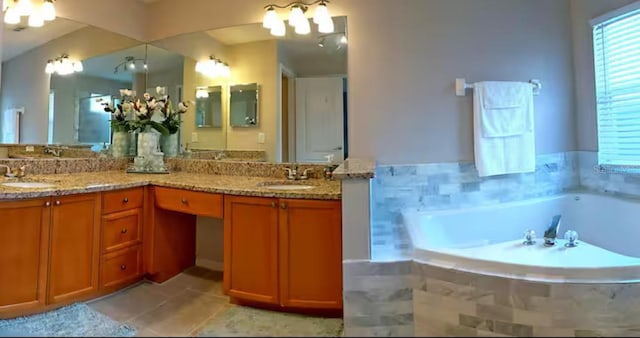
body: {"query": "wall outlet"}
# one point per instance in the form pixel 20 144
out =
pixel 29 149
pixel 261 138
pixel 194 137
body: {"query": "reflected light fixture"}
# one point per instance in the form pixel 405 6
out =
pixel 129 64
pixel 202 94
pixel 37 11
pixel 297 18
pixel 339 39
pixel 62 65
pixel 213 68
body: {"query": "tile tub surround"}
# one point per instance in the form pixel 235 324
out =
pixel 607 181
pixel 437 186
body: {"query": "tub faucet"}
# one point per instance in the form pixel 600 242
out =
pixel 552 231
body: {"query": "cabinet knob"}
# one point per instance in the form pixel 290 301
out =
pixel 283 205
pixel 184 200
pixel 47 204
pixel 274 204
pixel 124 230
pixel 58 203
pixel 125 200
pixel 123 267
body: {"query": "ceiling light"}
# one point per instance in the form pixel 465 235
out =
pixel 48 10
pixel 297 18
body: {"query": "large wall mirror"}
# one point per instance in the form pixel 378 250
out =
pixel 301 105
pixel 209 107
pixel 243 105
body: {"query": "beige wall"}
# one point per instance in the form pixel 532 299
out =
pixel 581 12
pixel 120 16
pixel 25 84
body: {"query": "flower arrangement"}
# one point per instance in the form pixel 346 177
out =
pixel 171 118
pixel 118 120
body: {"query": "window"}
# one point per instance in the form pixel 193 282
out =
pixel 616 44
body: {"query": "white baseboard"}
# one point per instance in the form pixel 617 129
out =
pixel 209 264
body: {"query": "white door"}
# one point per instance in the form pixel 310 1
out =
pixel 319 119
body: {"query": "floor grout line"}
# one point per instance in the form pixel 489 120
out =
pixel 204 322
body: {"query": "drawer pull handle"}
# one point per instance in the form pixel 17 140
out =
pixel 124 230
pixel 125 200
pixel 123 267
pixel 283 205
pixel 58 203
pixel 274 205
pixel 184 201
pixel 47 204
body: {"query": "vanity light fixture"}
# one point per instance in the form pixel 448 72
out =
pixel 297 18
pixel 213 68
pixel 62 65
pixel 202 94
pixel 38 11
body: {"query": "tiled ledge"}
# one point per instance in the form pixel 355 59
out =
pixel 355 168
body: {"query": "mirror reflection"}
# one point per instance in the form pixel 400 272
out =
pixel 209 107
pixel 243 105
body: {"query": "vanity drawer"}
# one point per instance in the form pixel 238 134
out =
pixel 190 202
pixel 121 229
pixel 121 266
pixel 119 200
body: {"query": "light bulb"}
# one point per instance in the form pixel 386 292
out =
pixel 270 18
pixel 303 27
pixel 199 66
pixel 49 68
pixel 36 20
pixel 57 66
pixel 5 4
pixel 132 65
pixel 226 71
pixel 11 16
pixel 145 66
pixel 321 14
pixel 326 26
pixel 296 16
pixel 48 11
pixel 77 66
pixel 24 7
pixel 279 29
pixel 343 40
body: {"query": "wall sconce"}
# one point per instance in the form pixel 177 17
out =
pixel 38 12
pixel 213 68
pixel 202 94
pixel 62 65
pixel 297 18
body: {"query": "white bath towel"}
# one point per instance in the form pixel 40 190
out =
pixel 504 130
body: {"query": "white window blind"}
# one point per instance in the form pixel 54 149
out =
pixel 616 44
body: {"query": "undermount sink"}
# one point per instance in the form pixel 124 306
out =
pixel 288 186
pixel 28 185
pixel 284 185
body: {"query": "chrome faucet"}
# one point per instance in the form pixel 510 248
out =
pixel 15 172
pixel 292 173
pixel 53 151
pixel 552 231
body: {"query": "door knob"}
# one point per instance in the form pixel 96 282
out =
pixel 184 201
pixel 123 267
pixel 58 203
pixel 47 204
pixel 125 200
pixel 124 230
pixel 283 205
pixel 274 205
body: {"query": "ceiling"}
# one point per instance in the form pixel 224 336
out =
pixel 15 43
pixel 103 66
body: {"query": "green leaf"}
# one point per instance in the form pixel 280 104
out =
pixel 159 127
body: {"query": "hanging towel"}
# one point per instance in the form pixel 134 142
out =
pixel 503 121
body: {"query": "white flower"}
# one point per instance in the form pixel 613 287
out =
pixel 161 90
pixel 126 106
pixel 183 106
pixel 147 96
pixel 142 111
pixel 126 92
pixel 153 104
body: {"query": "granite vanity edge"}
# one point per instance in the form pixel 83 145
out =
pixel 62 191
pixel 355 168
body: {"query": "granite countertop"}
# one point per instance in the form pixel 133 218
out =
pixel 67 184
pixel 355 168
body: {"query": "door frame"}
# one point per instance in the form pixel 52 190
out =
pixel 287 72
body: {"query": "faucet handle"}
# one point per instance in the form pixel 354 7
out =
pixel 304 175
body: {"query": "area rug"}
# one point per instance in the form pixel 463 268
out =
pixel 77 320
pixel 240 321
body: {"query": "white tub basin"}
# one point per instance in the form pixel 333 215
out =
pixel 28 185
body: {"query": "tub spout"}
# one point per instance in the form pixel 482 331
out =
pixel 552 231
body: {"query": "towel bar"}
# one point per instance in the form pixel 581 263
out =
pixel 462 85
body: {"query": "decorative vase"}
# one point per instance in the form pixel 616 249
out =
pixel 120 144
pixel 169 145
pixel 148 142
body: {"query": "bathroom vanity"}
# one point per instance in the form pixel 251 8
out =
pixel 95 233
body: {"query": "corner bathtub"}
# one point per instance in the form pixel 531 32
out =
pixel 489 239
pixel 474 277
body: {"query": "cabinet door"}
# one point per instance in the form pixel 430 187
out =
pixel 24 240
pixel 310 254
pixel 251 248
pixel 74 253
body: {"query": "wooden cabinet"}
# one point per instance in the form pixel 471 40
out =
pixel 189 202
pixel 121 249
pixel 284 251
pixel 24 243
pixel 74 247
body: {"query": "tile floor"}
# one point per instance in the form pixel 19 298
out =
pixel 182 306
